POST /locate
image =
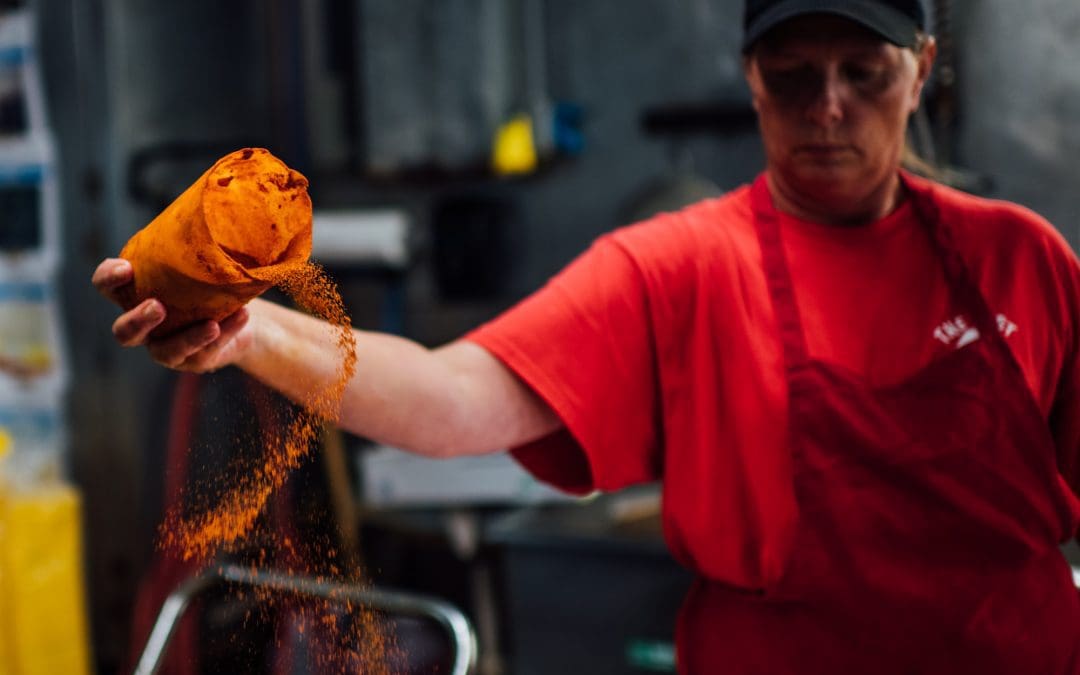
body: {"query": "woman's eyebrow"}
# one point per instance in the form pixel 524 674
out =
pixel 868 51
pixel 782 54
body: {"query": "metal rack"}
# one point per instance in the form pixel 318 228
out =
pixel 394 603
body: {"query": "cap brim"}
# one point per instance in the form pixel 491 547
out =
pixel 889 23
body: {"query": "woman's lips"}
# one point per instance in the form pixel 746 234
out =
pixel 825 153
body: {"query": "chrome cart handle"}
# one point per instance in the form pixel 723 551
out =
pixel 451 619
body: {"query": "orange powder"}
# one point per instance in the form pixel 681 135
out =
pixel 243 227
pixel 238 510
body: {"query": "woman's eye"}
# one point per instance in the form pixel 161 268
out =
pixel 791 83
pixel 784 76
pixel 856 74
pixel 868 79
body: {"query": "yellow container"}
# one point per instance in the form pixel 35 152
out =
pixel 7 666
pixel 42 605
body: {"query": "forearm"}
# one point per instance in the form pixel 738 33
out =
pixel 455 400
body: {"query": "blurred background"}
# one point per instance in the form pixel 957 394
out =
pixel 459 152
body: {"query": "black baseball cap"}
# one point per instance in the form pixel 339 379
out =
pixel 898 21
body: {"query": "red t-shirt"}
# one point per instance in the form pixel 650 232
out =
pixel 658 349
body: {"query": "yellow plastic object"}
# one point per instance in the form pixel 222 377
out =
pixel 5 652
pixel 6 666
pixel 515 149
pixel 41 582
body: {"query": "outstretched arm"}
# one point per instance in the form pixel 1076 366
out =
pixel 454 400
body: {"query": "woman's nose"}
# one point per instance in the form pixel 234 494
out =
pixel 826 108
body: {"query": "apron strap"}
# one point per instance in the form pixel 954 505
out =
pixel 962 286
pixel 778 275
pixel 960 282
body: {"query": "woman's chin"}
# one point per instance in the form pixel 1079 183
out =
pixel 834 176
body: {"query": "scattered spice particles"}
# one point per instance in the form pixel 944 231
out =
pixel 235 515
pixel 341 637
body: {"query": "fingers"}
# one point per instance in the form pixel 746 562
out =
pixel 174 350
pixel 232 324
pixel 110 275
pixel 216 354
pixel 202 347
pixel 199 348
pixel 133 328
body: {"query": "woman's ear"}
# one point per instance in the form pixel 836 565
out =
pixel 924 63
pixel 753 78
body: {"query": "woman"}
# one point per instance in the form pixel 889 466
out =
pixel 861 390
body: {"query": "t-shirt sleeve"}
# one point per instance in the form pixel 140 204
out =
pixel 583 343
pixel 1065 413
pixel 1065 424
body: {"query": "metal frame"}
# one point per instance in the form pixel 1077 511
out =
pixel 456 624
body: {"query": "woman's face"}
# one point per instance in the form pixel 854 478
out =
pixel 833 101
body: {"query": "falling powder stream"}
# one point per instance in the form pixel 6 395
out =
pixel 341 647
pixel 238 510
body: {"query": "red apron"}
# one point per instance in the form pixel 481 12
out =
pixel 930 515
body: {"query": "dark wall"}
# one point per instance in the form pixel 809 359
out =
pixel 1020 81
